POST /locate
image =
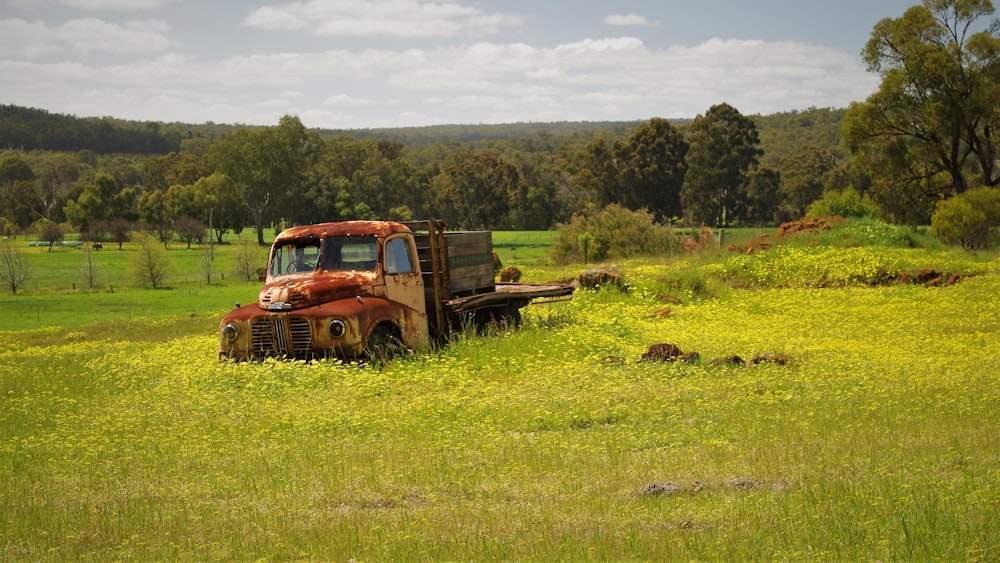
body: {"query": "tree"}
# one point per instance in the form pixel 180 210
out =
pixel 723 153
pixel 249 262
pixel 58 174
pixel 120 231
pixel 479 188
pixel 49 232
pixel 763 193
pixel 929 130
pixel 17 190
pixel 89 269
pixel 13 266
pixel 804 175
pixel 970 219
pixel 653 165
pixel 223 207
pixel 189 230
pixel 154 212
pixel 100 199
pixel 269 167
pixel 151 263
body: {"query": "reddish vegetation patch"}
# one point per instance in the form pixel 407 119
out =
pixel 662 313
pixel 662 353
pixel 667 488
pixel 510 274
pixel 732 360
pixel 665 352
pixel 928 276
pixel 667 298
pixel 757 244
pixel 808 225
pixel 770 358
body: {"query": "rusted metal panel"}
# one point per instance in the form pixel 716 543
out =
pixel 342 228
pixel 509 293
pixel 305 334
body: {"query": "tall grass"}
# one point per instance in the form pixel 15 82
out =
pixel 552 442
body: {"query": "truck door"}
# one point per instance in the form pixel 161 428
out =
pixel 405 285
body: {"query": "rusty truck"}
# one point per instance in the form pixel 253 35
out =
pixel 360 290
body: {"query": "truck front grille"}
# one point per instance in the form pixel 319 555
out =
pixel 280 335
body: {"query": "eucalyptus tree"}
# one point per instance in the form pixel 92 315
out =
pixel 477 188
pixel 724 151
pixel 805 173
pixel 652 166
pixel 644 171
pixel 929 131
pixel 270 168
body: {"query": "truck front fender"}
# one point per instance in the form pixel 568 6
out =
pixel 340 328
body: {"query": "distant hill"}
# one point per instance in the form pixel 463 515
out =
pixel 30 128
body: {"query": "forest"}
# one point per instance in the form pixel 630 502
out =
pixel 104 177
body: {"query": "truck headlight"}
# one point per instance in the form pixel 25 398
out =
pixel 337 328
pixel 230 332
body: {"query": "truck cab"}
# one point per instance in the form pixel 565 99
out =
pixel 333 289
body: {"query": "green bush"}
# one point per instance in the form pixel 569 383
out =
pixel 613 233
pixel 843 203
pixel 969 220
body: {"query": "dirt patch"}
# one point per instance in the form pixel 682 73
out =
pixel 732 360
pixel 662 353
pixel 927 276
pixel 768 358
pixel 808 225
pixel 662 313
pixel 666 352
pixel 667 298
pixel 668 488
pixel 604 276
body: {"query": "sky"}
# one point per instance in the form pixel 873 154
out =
pixel 351 64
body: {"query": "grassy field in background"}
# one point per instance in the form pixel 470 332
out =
pixel 868 435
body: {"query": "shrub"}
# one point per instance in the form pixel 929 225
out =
pixel 969 220
pixel 612 233
pixel 843 203
pixel 13 266
pixel 49 232
pixel 151 264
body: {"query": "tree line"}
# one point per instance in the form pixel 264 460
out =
pixel 708 171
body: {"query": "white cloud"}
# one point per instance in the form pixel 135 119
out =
pixel 614 78
pixel 347 101
pixel 630 20
pixel 391 18
pixel 23 39
pixel 93 5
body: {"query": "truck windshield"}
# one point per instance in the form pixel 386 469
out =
pixel 350 253
pixel 295 256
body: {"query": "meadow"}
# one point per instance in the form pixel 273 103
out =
pixel 869 435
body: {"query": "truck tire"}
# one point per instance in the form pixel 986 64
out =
pixel 384 344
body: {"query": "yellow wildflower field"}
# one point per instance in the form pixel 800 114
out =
pixel 868 434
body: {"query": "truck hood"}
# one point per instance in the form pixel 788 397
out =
pixel 297 291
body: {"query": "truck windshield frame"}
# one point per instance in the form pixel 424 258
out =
pixel 295 256
pixel 350 253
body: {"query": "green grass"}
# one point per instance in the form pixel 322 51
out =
pixel 130 440
pixel 519 248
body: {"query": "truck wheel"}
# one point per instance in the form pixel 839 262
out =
pixel 384 344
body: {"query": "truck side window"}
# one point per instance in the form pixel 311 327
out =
pixel 397 256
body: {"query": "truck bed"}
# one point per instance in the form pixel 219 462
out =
pixel 517 294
